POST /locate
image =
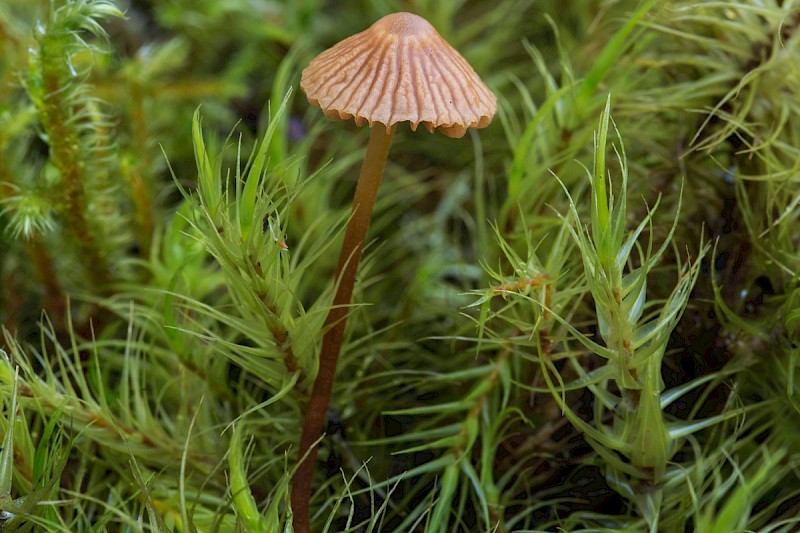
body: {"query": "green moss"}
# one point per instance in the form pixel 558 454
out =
pixel 582 317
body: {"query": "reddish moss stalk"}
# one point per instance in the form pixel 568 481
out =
pixel 65 158
pixel 367 189
pixel 53 98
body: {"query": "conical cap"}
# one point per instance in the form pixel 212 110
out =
pixel 399 69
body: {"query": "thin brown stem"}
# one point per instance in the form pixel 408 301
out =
pixel 367 189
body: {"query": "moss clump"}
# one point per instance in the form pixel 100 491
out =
pixel 585 317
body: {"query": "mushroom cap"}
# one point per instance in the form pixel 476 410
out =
pixel 399 69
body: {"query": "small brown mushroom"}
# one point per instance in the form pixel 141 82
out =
pixel 398 70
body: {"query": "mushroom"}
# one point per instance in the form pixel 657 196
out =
pixel 398 70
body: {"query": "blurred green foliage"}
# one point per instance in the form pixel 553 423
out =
pixel 585 317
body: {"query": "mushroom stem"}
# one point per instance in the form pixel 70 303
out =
pixel 380 141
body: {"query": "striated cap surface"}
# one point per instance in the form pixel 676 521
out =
pixel 399 69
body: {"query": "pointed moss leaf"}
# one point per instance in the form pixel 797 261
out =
pixel 671 395
pixel 646 333
pixel 480 491
pixel 649 503
pixel 253 180
pixel 650 439
pixel 47 444
pixel 587 379
pixel 619 469
pixel 625 250
pixel 243 501
pixel 654 258
pixel 599 349
pixel 635 305
pixel 445 442
pixel 7 453
pixel 602 322
pixel 600 213
pixel 580 424
pixel 208 184
pixel 443 508
pixel 278 146
pixel 432 467
pixel 449 407
pixel 417 435
pixel 677 430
